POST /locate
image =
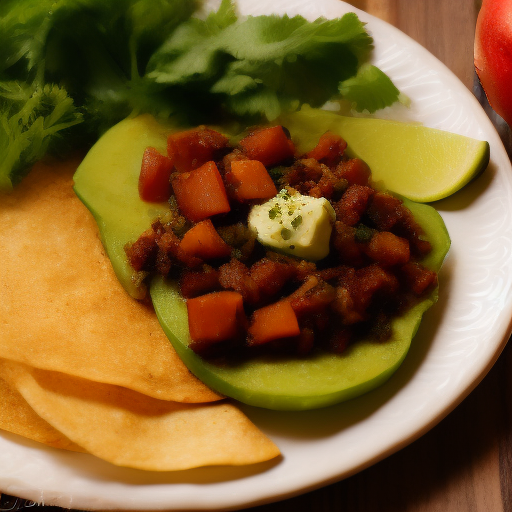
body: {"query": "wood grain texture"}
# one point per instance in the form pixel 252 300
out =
pixel 445 28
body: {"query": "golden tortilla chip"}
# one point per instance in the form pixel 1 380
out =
pixel 18 417
pixel 127 428
pixel 62 307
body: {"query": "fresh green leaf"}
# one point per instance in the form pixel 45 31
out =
pixel 24 25
pixel 95 50
pixel 109 60
pixel 263 65
pixel 27 133
pixel 370 89
pixel 263 101
pixel 193 51
pixel 265 38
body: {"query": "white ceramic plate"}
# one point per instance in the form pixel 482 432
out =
pixel 458 341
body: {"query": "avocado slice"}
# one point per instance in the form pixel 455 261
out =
pixel 315 381
pixel 106 182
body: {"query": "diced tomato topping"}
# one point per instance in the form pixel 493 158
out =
pixel 203 241
pixel 418 278
pixel 251 180
pixel 193 148
pixel 227 278
pixel 312 300
pixel 215 317
pixel 273 322
pixel 200 193
pixel 353 203
pixel 269 145
pixel 154 178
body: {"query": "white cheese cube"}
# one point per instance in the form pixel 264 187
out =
pixel 294 224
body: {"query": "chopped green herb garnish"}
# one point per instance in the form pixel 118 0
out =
pixel 286 234
pixel 370 89
pixel 363 233
pixel 277 173
pixel 274 212
pixel 297 221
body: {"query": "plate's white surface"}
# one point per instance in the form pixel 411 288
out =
pixel 457 344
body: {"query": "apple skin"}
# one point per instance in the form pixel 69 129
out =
pixel 493 55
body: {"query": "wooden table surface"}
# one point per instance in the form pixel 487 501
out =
pixel 465 462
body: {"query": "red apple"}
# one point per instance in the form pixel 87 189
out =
pixel 493 55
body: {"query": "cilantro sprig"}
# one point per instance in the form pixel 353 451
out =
pixel 70 69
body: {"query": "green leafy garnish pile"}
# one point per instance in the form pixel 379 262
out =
pixel 70 69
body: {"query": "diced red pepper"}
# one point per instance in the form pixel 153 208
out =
pixel 251 180
pixel 269 145
pixel 193 148
pixel 203 241
pixel 273 322
pixel 154 178
pixel 215 317
pixel 200 193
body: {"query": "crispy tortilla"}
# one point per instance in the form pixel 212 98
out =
pixel 18 417
pixel 129 429
pixel 62 307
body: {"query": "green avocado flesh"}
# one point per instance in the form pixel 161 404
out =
pixel 107 181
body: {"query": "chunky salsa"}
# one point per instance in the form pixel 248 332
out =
pixel 247 293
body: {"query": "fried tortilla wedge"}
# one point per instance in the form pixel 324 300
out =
pixel 129 429
pixel 61 306
pixel 18 417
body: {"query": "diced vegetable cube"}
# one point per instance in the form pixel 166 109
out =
pixel 154 178
pixel 200 193
pixel 355 171
pixel 203 241
pixel 329 149
pixel 215 317
pixel 418 278
pixel 251 180
pixel 273 322
pixel 192 148
pixel 269 145
pixel 199 282
pixel 388 249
